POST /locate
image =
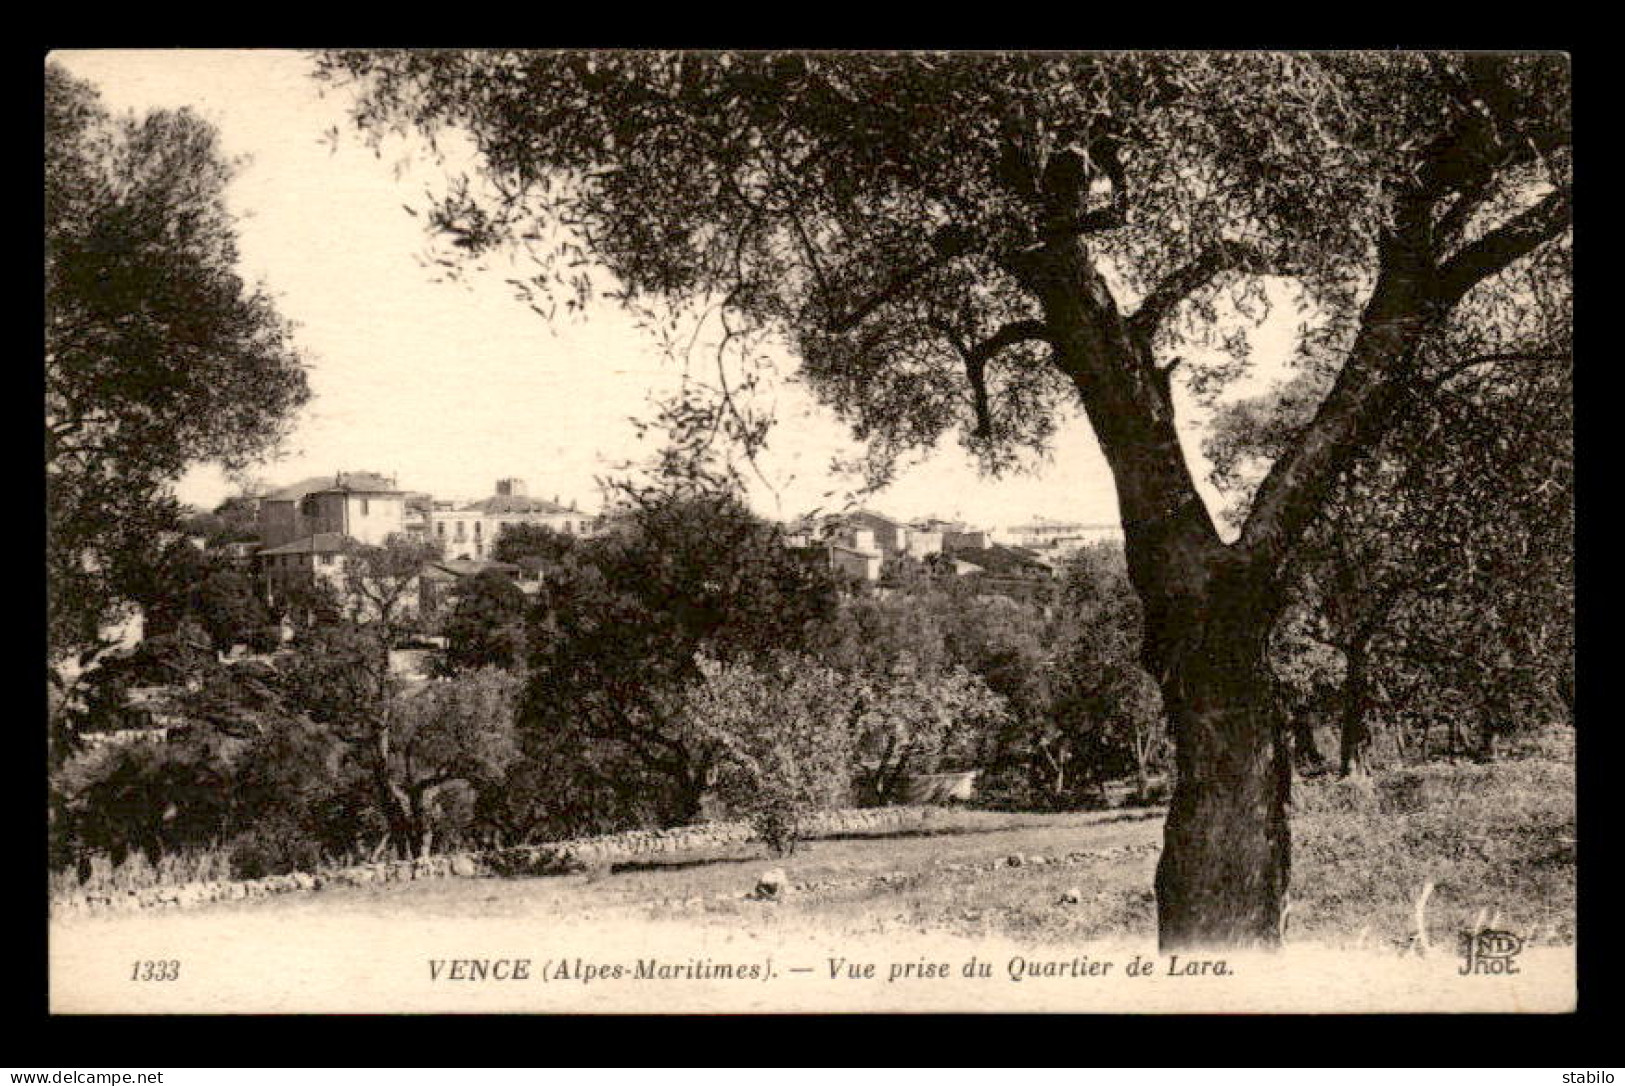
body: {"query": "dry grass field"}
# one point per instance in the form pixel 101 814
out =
pixel 1494 839
pixel 1496 842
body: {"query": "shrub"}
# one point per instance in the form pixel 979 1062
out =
pixel 97 873
pixel 298 783
pixel 153 797
pixel 274 847
pixel 487 626
pixel 921 721
pixel 781 737
pixel 554 795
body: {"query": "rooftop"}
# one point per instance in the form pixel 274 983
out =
pixel 1044 524
pixel 514 503
pixel 356 482
pixel 464 567
pixel 320 543
pixel 870 514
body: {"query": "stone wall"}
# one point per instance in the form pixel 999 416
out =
pixel 553 858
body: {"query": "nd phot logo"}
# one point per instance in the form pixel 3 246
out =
pixel 1489 952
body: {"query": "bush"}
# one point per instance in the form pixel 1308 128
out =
pixel 554 795
pixel 155 798
pixel 275 847
pixel 783 739
pixel 777 820
pixel 282 800
pixel 97 873
pixel 301 799
pixel 916 720
pixel 487 626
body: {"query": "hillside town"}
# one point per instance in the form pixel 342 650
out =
pixel 310 531
pixel 325 534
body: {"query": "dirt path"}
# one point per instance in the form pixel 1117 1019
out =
pixel 1045 914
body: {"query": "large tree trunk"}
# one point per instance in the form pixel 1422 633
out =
pixel 1208 611
pixel 1209 605
pixel 1223 876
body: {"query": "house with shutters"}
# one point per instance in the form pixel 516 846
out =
pixel 363 505
pixel 302 562
pixel 306 527
pixel 469 532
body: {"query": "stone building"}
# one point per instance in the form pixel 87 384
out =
pixel 301 563
pixel 469 532
pixel 1057 536
pixel 363 505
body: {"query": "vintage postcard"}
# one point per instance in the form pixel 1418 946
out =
pixel 667 532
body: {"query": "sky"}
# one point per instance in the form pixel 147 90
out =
pixel 451 386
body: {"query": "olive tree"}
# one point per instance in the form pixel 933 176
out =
pixel 158 356
pixel 1440 572
pixel 784 735
pixel 408 742
pixel 619 629
pixel 983 241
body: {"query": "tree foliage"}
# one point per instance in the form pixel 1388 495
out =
pixel 620 625
pixel 535 547
pixel 454 733
pixel 487 625
pixel 1108 718
pixel 380 583
pixel 157 355
pixel 181 583
pixel 409 744
pixel 872 205
pixel 937 630
pixel 915 721
pixel 1440 573
pixel 302 800
pixel 151 798
pixel 784 735
pixel 234 520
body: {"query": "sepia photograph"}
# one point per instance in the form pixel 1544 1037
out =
pixel 697 531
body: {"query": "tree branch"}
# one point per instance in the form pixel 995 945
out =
pixel 1513 239
pixel 1468 200
pixel 1409 299
pixel 1219 257
pixel 648 741
pixel 976 359
pixel 421 788
pixel 949 243
pixel 1360 406
pixel 1067 179
pixel 1455 369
